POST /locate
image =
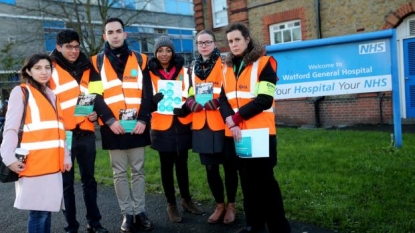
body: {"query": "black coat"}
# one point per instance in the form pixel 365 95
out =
pixel 178 137
pixel 111 141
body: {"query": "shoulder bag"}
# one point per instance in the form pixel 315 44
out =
pixel 7 175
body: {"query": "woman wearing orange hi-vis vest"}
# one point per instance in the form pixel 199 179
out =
pixel 208 127
pixel 170 133
pixel 247 102
pixel 40 186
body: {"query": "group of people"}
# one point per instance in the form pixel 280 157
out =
pixel 123 79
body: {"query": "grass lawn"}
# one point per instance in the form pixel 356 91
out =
pixel 347 181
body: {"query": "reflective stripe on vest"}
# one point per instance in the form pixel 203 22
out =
pixel 211 117
pixel 125 94
pixel 163 121
pixel 67 89
pixel 43 135
pixel 243 90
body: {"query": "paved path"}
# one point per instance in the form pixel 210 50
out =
pixel 13 220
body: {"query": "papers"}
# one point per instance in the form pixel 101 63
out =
pixel 128 119
pixel 254 143
pixel 172 91
pixel 84 104
pixel 68 135
pixel 203 92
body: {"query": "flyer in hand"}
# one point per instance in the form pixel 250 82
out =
pixel 203 92
pixel 84 104
pixel 254 143
pixel 128 119
pixel 172 91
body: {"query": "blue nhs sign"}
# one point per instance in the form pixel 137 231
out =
pixel 332 66
pixel 379 47
pixel 352 64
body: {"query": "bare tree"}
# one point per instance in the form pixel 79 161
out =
pixel 87 16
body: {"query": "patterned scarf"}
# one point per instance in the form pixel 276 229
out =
pixel 118 57
pixel 203 68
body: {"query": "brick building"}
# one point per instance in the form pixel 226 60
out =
pixel 287 21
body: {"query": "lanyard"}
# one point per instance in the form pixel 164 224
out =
pixel 240 68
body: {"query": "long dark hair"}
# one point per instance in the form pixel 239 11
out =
pixel 28 64
pixel 244 31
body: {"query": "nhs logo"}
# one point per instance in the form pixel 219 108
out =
pixel 378 47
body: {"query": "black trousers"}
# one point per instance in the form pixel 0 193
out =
pixel 84 151
pixel 215 180
pixel 263 204
pixel 169 160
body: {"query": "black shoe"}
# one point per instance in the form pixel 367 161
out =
pixel 96 229
pixel 250 229
pixel 127 223
pixel 143 223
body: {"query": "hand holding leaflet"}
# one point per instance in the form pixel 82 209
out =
pixel 84 105
pixel 254 143
pixel 128 119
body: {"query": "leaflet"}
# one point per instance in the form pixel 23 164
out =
pixel 128 119
pixel 172 91
pixel 84 104
pixel 254 143
pixel 203 92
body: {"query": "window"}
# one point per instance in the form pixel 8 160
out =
pixel 10 2
pixel 220 13
pixel 51 28
pixel 129 4
pixel 411 27
pixel 160 31
pixel 147 45
pixel 181 7
pixel 151 5
pixel 133 37
pixel 285 32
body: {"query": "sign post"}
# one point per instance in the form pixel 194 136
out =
pixel 352 64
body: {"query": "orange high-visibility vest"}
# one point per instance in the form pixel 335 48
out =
pixel 211 117
pixel 241 91
pixel 122 94
pixel 163 121
pixel 43 135
pixel 67 89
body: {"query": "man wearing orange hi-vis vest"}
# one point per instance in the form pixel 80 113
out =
pixel 124 117
pixel 70 80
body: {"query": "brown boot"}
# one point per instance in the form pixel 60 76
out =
pixel 218 214
pixel 230 214
pixel 190 206
pixel 173 213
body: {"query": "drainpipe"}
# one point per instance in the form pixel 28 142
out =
pixel 316 102
pixel 381 95
pixel 318 21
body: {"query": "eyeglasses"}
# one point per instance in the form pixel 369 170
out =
pixel 72 47
pixel 205 43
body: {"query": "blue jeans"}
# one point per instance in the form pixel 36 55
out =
pixel 39 221
pixel 84 151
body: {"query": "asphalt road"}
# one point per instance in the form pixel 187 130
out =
pixel 15 221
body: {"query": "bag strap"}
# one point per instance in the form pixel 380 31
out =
pixel 25 101
pixel 100 60
pixel 190 72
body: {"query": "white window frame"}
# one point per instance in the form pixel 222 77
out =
pixel 289 27
pixel 219 13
